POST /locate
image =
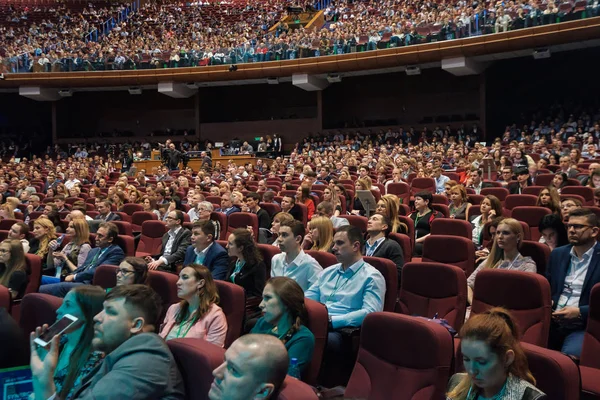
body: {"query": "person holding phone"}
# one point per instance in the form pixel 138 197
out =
pixel 197 315
pixel 75 354
pixel 73 255
pixel 13 267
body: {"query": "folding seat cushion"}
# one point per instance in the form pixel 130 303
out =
pixel 516 200
pixel 196 359
pixel 243 220
pixel 324 258
pixel 452 227
pixel 390 273
pixel 531 309
pixel 531 215
pixel 38 309
pixel 233 302
pixel 500 193
pixel 105 276
pixel 416 367
pixel 444 296
pixel 555 373
pixel 317 323
pixel 422 185
pixel 358 221
pixel 590 353
pixel 151 238
pixel 138 218
pixel 268 251
pixel 539 252
pixel 454 250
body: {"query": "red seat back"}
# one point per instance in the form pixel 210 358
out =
pixel 324 258
pixel 390 273
pixel 38 309
pixel 34 265
pixel 317 323
pixel 584 191
pixel 358 221
pixel 151 238
pixel 127 243
pixel 271 208
pixel 222 220
pixel 138 218
pixel 516 200
pixel 5 298
pixel 533 190
pixel 6 223
pixel 539 252
pixel 544 179
pixel 531 309
pixel 130 208
pixel 268 251
pixel 243 220
pixel 444 297
pixel 293 389
pixel 458 251
pixel 532 216
pixel 591 340
pixel 416 367
pixel 165 284
pixel 125 227
pixel 404 242
pixel 105 276
pixel 422 185
pixel 452 227
pixel 233 303
pixel 401 189
pixel 499 192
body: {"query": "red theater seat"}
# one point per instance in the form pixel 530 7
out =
pixel 457 251
pixel 5 298
pixel 416 367
pixel 539 252
pixel 390 273
pixel 404 242
pixel 590 352
pixel 105 276
pixel 499 192
pixel 452 227
pixel 516 200
pixel 139 217
pixel 150 243
pixel 243 220
pixel 165 284
pixel 358 221
pixel 268 252
pixel 422 185
pixel 324 258
pixel 532 216
pixel 38 309
pixel 233 303
pixel 584 191
pixel 317 323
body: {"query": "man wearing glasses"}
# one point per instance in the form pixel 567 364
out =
pixel 174 244
pixel 572 272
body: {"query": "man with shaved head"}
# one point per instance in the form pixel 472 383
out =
pixel 255 367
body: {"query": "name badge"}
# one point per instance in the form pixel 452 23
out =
pixel 565 296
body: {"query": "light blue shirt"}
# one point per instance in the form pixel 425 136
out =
pixel 304 269
pixel 349 295
pixel 440 184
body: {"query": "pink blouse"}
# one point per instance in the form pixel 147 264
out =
pixel 212 327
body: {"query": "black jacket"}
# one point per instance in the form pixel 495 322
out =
pixel 391 250
pixel 251 277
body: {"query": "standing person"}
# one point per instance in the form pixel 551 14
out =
pixel 285 317
pixel 197 315
pixel 293 262
pixel 572 272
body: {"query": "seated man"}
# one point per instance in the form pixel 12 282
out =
pixel 104 213
pixel 59 200
pixel 255 367
pixel 138 363
pixel 105 252
pixel 227 206
pixel 174 244
pixel 363 286
pixel 378 244
pixel 288 205
pixel 204 250
pixel 293 262
pixel 19 231
pixel 523 180
pixel 572 272
pixel 252 202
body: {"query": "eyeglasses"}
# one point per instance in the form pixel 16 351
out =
pixel 578 227
pixel 124 271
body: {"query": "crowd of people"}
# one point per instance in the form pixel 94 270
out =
pixel 209 33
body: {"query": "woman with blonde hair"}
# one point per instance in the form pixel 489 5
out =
pixel 505 253
pixel 197 315
pixel 495 363
pixel 320 234
pixel 388 205
pixel 363 183
pixel 550 199
pixel 13 267
pixel 459 206
pixel 6 211
pixel 13 202
pixel 43 233
pixel 73 255
pixel 332 196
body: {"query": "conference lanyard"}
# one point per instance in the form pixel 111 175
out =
pixel 335 288
pixel 189 326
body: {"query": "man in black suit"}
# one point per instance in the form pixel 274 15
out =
pixel 288 205
pixel 378 245
pixel 523 180
pixel 104 213
pixel 572 272
pixel 476 182
pixel 252 203
pixel 174 244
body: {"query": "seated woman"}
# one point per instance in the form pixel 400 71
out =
pixel 13 267
pixel 491 207
pixel 505 253
pixel 6 211
pixel 423 216
pixel 594 180
pixel 550 199
pixel 248 270
pixel 560 181
pixel 320 235
pixel 331 195
pixel 284 316
pixel 459 206
pixel 76 357
pixel 361 184
pixel 132 271
pixel 495 362
pixel 388 206
pixel 279 218
pixel 554 233
pixel 149 204
pixel 73 255
pixel 43 234
pixel 303 197
pixel 197 315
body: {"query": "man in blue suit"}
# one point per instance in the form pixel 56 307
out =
pixel 572 272
pixel 105 252
pixel 204 250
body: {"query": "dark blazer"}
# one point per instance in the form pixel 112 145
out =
pixel 391 250
pixel 112 256
pixel 14 351
pixel 558 267
pixel 252 278
pixel 216 260
pixel 182 241
pixel 111 217
pixel 513 188
pixel 264 219
pixel 296 212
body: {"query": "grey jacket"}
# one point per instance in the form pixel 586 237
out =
pixel 141 368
